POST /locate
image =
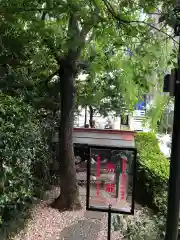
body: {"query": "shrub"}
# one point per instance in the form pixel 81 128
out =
pixel 138 227
pixel 22 147
pixel 151 190
pixel 153 172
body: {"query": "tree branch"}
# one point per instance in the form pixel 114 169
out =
pixel 118 18
pixel 26 84
pixel 76 36
pixel 21 9
pixel 47 41
pixel 48 79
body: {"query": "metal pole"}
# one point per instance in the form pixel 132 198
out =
pixel 174 179
pixel 117 176
pixel 109 223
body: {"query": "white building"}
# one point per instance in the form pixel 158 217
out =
pixel 133 121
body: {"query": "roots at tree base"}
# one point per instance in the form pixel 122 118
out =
pixel 63 204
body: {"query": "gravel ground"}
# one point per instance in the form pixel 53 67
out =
pixel 49 224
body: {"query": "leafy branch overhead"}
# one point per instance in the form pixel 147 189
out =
pixel 47 24
pixel 104 31
pixel 170 19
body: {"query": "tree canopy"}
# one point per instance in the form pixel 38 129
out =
pixel 46 44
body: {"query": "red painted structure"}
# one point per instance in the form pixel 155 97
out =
pixel 104 137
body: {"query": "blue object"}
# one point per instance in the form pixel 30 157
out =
pixel 140 106
pixel 128 52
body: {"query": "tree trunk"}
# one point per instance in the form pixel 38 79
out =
pixel 91 116
pixel 85 116
pixel 69 194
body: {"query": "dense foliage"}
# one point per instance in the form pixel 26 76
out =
pixel 120 74
pixel 119 45
pixel 153 172
pixel 151 191
pixel 121 50
pixel 22 150
pixel 143 225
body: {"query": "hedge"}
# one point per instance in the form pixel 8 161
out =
pixel 22 148
pixel 153 173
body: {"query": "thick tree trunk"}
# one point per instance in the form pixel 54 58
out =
pixel 69 195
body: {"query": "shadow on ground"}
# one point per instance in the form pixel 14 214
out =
pixel 82 230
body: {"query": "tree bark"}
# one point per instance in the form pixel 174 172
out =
pixel 85 116
pixel 91 116
pixel 69 194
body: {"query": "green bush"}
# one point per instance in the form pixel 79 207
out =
pixel 138 227
pixel 151 190
pixel 153 172
pixel 22 149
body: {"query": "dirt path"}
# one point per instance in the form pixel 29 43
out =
pixel 49 224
